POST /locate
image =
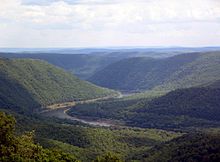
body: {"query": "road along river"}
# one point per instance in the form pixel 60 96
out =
pixel 60 111
pixel 62 114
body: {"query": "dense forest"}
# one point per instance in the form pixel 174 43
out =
pixel 109 81
pixel 81 65
pixel 30 84
pixel 182 108
pixel 22 148
pixel 181 71
pixel 74 143
pixel 200 103
pixel 176 119
pixel 85 62
pixel 198 147
pixel 87 143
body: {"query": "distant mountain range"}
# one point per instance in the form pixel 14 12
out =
pixel 84 63
pixel 103 50
pixel 81 65
pixel 141 73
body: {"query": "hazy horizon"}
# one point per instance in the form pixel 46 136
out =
pixel 112 47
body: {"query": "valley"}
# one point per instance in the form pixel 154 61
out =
pixel 109 81
pixel 130 108
pixel 61 111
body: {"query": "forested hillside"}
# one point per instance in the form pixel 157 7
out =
pixel 84 142
pixel 184 96
pixel 82 65
pixel 181 71
pixel 23 148
pixel 28 83
pixel 72 141
pixel 178 109
pixel 197 147
pixel 203 71
pixel 201 103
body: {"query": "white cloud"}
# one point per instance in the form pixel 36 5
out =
pixel 118 20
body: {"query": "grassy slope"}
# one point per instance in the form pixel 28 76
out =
pixel 179 71
pixel 28 80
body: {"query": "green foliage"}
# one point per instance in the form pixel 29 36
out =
pixel 127 144
pixel 192 107
pixel 205 70
pixel 201 103
pixel 86 143
pixel 29 83
pixel 197 147
pixel 82 65
pixel 22 148
pixel 6 134
pixel 141 73
pixel 179 109
pixel 97 141
pixel 113 109
pixel 108 158
pixel 117 109
pixel 85 62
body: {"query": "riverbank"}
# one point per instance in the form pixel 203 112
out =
pixel 62 114
pixel 60 111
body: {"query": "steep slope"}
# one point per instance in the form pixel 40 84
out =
pixel 85 64
pixel 203 71
pixel 82 65
pixel 196 147
pixel 30 83
pixel 178 109
pixel 194 102
pixel 181 71
pixel 85 142
pixel 22 148
pixel 197 107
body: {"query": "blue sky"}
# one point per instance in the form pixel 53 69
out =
pixel 99 23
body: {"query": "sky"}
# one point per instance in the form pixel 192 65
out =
pixel 106 23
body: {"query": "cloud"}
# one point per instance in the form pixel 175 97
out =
pixel 72 2
pixel 115 13
pixel 123 18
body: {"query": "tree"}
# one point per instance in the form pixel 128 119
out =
pixel 109 157
pixel 22 148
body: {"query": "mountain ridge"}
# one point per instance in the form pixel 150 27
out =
pixel 43 83
pixel 140 74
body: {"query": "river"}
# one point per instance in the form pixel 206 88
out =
pixel 61 113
